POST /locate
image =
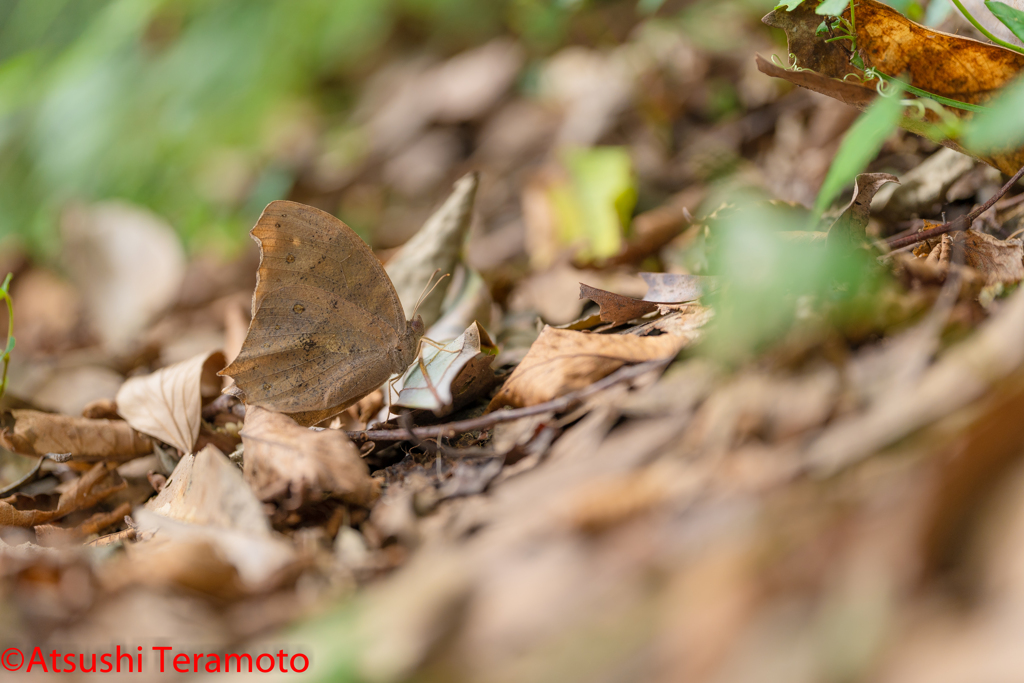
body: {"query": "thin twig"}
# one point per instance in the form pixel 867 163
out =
pixel 489 420
pixel 961 223
pixel 1010 203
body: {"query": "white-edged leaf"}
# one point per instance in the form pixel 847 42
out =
pixel 433 390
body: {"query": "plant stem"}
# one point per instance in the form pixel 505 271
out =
pixel 9 346
pixel 489 420
pixel 984 31
pixel 961 223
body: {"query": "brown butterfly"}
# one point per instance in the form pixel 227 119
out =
pixel 327 325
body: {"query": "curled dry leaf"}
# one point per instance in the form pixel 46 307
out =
pixel 950 66
pixel 561 361
pixel 51 535
pixel 96 484
pixel 167 404
pixel 31 432
pixel 284 460
pixel 437 246
pixel 616 308
pixel 431 383
pixel 850 229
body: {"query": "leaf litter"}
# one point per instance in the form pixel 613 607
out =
pixel 795 456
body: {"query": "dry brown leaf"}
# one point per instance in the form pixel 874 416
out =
pixel 616 308
pixel 997 261
pixel 286 461
pixel 561 361
pixel 31 432
pixel 92 487
pixel 950 66
pixel 50 535
pixel 167 403
pixel 850 229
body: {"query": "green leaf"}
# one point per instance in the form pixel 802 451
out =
pixel 1012 18
pixel 1001 126
pixel 790 5
pixel 832 7
pixel 594 207
pixel 861 144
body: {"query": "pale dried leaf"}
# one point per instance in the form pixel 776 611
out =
pixel 128 264
pixel 429 384
pixel 437 246
pixel 284 460
pixel 257 556
pixel 671 288
pixel 208 489
pixel 167 403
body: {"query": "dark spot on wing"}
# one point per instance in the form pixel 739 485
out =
pixel 307 342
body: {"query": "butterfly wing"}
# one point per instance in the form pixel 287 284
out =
pixel 325 315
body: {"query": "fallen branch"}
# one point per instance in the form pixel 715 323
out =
pixel 961 223
pixel 485 421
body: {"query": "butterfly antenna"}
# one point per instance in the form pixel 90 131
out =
pixel 427 292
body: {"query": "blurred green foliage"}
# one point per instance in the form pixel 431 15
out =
pixel 771 282
pixel 1001 127
pixel 1012 18
pixel 160 102
pixel 860 145
pixel 594 204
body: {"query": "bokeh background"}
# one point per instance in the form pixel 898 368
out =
pixel 141 139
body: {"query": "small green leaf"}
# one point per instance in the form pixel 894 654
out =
pixel 594 208
pixel 822 28
pixel 1001 126
pixel 863 141
pixel 832 8
pixel 1012 18
pixel 790 5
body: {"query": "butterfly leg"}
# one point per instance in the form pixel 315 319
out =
pixel 426 378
